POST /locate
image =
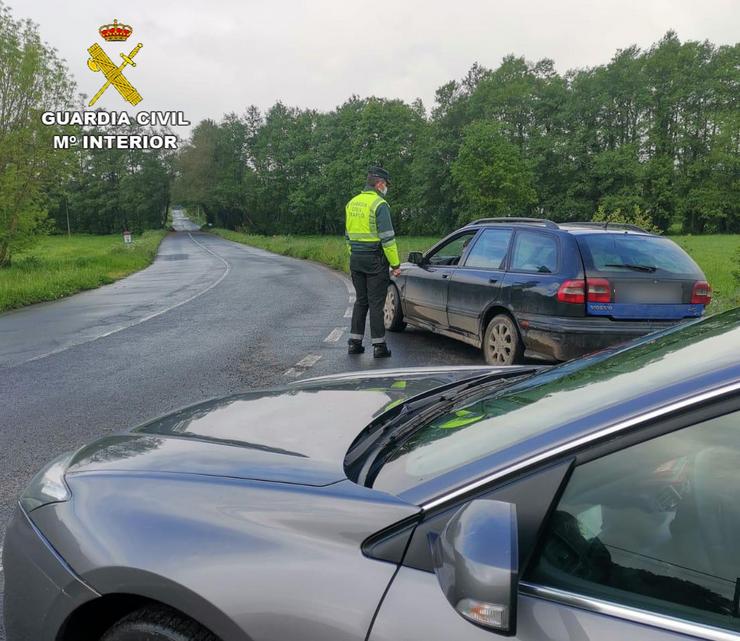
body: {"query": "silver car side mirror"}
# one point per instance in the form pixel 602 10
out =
pixel 476 560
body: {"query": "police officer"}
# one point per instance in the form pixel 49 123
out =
pixel 372 245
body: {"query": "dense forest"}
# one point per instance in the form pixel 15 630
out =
pixel 653 135
pixel 655 132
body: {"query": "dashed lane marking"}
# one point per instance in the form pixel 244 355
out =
pixel 335 335
pixel 348 313
pixel 309 361
pixel 302 365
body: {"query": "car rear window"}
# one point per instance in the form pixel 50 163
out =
pixel 605 252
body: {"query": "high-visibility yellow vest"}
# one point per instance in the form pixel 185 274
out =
pixel 361 223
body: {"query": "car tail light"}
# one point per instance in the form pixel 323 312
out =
pixel 572 291
pixel 598 290
pixel 701 294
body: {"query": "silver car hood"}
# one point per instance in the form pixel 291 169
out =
pixel 295 435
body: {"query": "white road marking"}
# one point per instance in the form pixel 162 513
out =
pixel 145 318
pixel 352 298
pixel 348 313
pixel 309 361
pixel 302 365
pixel 335 335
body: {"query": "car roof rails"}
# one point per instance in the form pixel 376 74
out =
pixel 607 225
pixel 514 219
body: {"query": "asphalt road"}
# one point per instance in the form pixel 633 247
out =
pixel 208 318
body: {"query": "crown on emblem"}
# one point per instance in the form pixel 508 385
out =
pixel 115 32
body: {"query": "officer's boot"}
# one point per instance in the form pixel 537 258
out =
pixel 381 350
pixel 355 346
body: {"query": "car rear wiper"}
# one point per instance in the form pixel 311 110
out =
pixel 635 266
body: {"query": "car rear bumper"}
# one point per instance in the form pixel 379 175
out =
pixel 41 591
pixel 565 338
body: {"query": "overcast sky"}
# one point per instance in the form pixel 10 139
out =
pixel 214 56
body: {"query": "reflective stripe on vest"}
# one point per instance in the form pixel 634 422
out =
pixel 361 222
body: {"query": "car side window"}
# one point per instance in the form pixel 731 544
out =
pixel 489 251
pixel 654 526
pixel 451 252
pixel 535 252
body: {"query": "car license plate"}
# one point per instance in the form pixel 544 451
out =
pixel 658 292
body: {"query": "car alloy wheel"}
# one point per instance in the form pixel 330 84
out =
pixel 389 309
pixel 392 316
pixel 501 343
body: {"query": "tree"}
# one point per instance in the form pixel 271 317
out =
pixel 655 131
pixel 491 175
pixel 32 80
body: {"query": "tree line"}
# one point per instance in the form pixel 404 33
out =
pixel 43 190
pixel 653 135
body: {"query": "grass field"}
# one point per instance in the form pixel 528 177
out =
pixel 715 254
pixel 58 266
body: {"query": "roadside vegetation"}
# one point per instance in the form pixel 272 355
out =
pixel 718 255
pixel 652 135
pixel 58 266
pixel 46 191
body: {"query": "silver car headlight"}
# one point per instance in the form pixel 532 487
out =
pixel 48 486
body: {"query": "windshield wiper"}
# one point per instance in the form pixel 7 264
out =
pixel 405 425
pixel 404 412
pixel 635 266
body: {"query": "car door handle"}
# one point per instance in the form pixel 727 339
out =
pixel 493 280
pixel 445 275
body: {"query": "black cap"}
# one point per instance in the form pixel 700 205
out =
pixel 379 172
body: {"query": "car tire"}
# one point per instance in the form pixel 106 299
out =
pixel 154 623
pixel 392 313
pixel 502 344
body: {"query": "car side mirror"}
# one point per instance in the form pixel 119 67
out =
pixel 416 257
pixel 476 560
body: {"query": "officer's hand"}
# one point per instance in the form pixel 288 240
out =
pixel 396 272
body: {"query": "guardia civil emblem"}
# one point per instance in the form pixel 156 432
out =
pixel 100 62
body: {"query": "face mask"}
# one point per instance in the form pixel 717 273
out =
pixel 384 191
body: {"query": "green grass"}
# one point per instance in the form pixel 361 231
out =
pixel 329 250
pixel 714 254
pixel 58 266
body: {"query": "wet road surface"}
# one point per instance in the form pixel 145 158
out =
pixel 208 318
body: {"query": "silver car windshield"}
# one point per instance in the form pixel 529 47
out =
pixel 562 395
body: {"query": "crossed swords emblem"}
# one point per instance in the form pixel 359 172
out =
pixel 99 61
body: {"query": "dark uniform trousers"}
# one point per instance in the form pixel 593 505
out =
pixel 371 278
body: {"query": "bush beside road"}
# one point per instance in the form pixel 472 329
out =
pixel 58 266
pixel 714 254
